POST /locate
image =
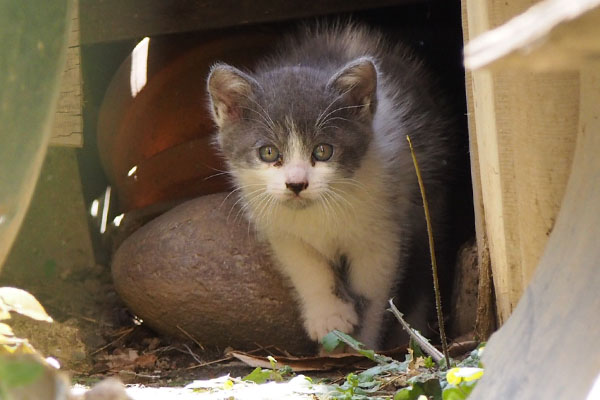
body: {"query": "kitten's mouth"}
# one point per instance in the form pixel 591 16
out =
pixel 297 202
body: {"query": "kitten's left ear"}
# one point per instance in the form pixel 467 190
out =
pixel 357 82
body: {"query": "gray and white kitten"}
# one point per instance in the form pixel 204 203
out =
pixel 315 139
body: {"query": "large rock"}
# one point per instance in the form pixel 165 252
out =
pixel 199 269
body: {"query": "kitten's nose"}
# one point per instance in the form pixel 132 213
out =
pixel 297 187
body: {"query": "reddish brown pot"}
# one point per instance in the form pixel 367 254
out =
pixel 165 129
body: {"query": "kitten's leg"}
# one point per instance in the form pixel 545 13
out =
pixel 373 273
pixel 314 281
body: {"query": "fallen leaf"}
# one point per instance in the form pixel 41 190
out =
pixel 20 301
pixel 145 361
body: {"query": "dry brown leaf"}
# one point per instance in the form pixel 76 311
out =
pixel 146 361
pixel 300 364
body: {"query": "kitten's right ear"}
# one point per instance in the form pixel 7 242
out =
pixel 357 82
pixel 229 90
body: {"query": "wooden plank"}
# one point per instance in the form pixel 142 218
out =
pixel 539 39
pixel 67 129
pixel 549 348
pixel 524 124
pixel 485 323
pixel 110 20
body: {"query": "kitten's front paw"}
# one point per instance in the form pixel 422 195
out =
pixel 329 316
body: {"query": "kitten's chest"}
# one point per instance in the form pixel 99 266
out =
pixel 334 232
pixel 317 228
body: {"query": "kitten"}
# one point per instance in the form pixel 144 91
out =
pixel 315 139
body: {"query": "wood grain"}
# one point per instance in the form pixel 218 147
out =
pixel 67 129
pixel 540 39
pixel 110 20
pixel 548 347
pixel 485 323
pixel 523 125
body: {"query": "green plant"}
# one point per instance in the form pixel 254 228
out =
pixel 262 375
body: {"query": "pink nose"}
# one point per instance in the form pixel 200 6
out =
pixel 295 174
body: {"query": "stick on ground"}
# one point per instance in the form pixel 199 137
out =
pixel 422 341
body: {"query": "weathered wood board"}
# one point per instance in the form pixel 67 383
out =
pixel 522 126
pixel 548 348
pixel 67 129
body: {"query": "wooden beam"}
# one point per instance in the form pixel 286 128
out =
pixel 537 354
pixel 485 323
pixel 524 126
pixel 548 349
pixel 539 39
pixel 110 20
pixel 68 121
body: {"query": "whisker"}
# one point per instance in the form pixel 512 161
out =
pixel 215 175
pixel 341 198
pixel 264 122
pixel 264 114
pixel 319 118
pixel 246 197
pixel 324 120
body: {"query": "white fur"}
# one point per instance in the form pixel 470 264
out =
pixel 359 221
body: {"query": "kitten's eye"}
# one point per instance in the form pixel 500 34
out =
pixel 323 152
pixel 268 153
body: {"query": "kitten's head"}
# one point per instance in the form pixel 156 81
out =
pixel 294 134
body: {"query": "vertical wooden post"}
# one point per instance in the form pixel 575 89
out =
pixel 521 123
pixel 68 120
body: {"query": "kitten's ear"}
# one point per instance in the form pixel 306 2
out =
pixel 229 90
pixel 357 82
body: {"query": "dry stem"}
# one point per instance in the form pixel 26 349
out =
pixel 436 285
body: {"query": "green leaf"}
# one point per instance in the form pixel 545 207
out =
pixel 432 388
pixel 331 342
pixel 258 375
pixel 429 363
pixel 459 392
pixel 18 372
pixel 393 367
pixel 417 352
pixel 409 393
pixel 20 301
pixel 453 393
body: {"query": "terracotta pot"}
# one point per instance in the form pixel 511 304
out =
pixel 155 143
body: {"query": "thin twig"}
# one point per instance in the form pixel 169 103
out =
pixel 227 358
pixel 127 332
pixel 423 343
pixel 191 353
pixel 265 349
pixel 436 284
pixel 190 336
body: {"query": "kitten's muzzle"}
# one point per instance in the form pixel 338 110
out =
pixel 297 187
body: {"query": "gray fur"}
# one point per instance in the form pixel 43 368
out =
pixel 348 87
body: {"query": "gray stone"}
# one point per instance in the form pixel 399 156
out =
pixel 199 269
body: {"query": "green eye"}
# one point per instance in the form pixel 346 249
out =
pixel 323 152
pixel 268 153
